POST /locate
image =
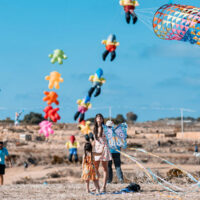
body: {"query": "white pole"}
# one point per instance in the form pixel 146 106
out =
pixel 110 112
pixel 182 123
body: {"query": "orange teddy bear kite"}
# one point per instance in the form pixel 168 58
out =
pixel 54 80
pixel 51 97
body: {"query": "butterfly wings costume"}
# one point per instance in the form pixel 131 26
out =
pixel 116 137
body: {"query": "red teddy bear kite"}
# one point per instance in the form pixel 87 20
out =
pixel 52 113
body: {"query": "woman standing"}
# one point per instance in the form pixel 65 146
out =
pixel 100 143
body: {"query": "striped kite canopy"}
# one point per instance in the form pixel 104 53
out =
pixel 178 22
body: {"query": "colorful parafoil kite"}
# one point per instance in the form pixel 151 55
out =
pixel 54 80
pixel 111 45
pixel 57 56
pixel 116 137
pixel 83 106
pixel 178 22
pixel 97 81
pixel 129 7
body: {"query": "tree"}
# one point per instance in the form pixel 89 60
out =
pixel 7 120
pixel 198 119
pixel 33 118
pixel 119 119
pixel 131 117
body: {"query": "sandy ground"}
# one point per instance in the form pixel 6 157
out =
pixel 74 191
pixel 63 180
pixel 72 188
pixel 16 173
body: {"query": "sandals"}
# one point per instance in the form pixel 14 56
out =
pixel 103 190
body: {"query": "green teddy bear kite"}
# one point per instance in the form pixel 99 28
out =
pixel 57 56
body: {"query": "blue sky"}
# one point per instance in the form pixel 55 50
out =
pixel 150 76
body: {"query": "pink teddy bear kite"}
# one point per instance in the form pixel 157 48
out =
pixel 45 128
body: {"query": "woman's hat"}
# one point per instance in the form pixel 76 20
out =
pixel 109 123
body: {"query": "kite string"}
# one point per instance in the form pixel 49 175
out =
pixel 156 176
pixel 148 174
pixel 148 19
pixel 145 23
pixel 138 163
pixel 184 171
pixel 178 188
pixel 146 16
pixel 147 12
pixel 170 163
pixel 153 9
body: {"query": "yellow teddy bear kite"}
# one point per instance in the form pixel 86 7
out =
pixel 85 127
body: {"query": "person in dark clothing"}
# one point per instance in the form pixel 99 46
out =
pixel 117 161
pixel 196 150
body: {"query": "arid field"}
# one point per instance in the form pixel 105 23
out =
pixel 51 176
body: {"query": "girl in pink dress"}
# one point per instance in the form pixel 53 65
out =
pixel 100 143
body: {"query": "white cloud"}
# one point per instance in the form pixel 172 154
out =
pixel 176 50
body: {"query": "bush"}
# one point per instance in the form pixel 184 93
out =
pixel 7 121
pixel 33 118
pixel 131 117
pixel 119 119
